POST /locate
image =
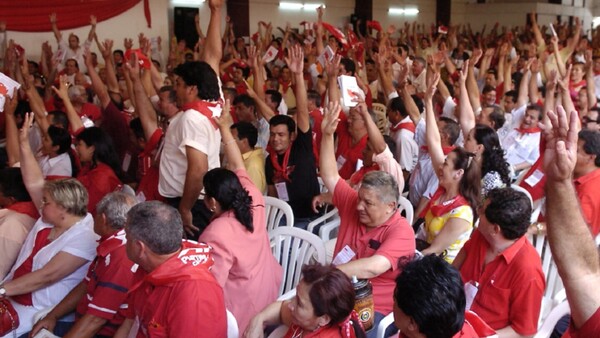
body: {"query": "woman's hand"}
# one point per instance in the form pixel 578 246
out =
pixel 225 121
pixel 24 132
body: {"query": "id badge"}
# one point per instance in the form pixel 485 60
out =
pixel 282 192
pixel 344 256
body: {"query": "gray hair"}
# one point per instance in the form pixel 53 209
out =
pixel 156 224
pixel 75 91
pixel 70 194
pixel 385 185
pixel 115 207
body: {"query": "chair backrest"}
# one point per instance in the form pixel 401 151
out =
pixel 550 322
pixel 327 225
pixel 553 281
pixel 536 207
pixel 293 248
pixel 275 211
pixel 405 205
pixel 232 327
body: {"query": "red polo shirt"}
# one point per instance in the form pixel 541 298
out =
pixel 393 239
pixel 148 167
pixel 98 182
pixel 589 198
pixel 591 328
pixel 348 154
pixel 109 277
pixel 180 297
pixel 511 286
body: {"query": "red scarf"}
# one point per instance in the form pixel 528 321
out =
pixel 443 208
pixel 26 208
pixel 531 130
pixel 342 329
pixel 405 125
pixel 357 177
pixel 446 150
pixel 203 108
pixel 280 170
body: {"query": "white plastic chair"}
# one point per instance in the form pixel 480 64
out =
pixel 555 315
pixel 279 332
pixel 275 210
pixel 536 207
pixel 293 248
pixel 329 222
pixel 404 204
pixel 381 120
pixel 232 327
pixel 552 294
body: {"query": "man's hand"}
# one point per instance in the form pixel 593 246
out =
pixel 225 121
pixel 332 67
pixel 93 20
pixel 188 226
pixel 53 18
pixel 128 43
pixel 330 118
pixel 63 88
pixel 561 145
pixel 48 323
pixel 106 49
pixel 10 104
pixel 295 61
pixel 133 68
pixel 215 4
pixel 432 83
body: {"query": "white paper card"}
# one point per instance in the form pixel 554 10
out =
pixel 344 256
pixel 535 178
pixel 470 293
pixel 282 192
pixel 8 87
pixel 326 55
pixel 43 333
pixel 351 92
pixel 340 162
pixel 270 55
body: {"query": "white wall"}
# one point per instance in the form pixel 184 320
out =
pixel 127 25
pixel 426 12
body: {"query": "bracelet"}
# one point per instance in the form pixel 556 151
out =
pixel 228 142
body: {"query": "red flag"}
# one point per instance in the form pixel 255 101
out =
pixel 338 34
pixel 375 25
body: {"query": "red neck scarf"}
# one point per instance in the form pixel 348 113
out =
pixel 405 125
pixel 531 130
pixel 357 177
pixel 342 329
pixel 446 150
pixel 203 108
pixel 26 208
pixel 281 169
pixel 443 208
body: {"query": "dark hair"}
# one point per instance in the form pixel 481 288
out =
pixel 11 185
pixel 60 137
pixel 331 293
pixel 314 96
pixel 510 210
pixel 244 99
pixel 488 88
pixel 401 47
pixel 349 65
pixel 591 143
pixel 104 149
pixel 201 75
pixel 224 186
pixel 172 93
pixel 136 126
pixel 390 143
pixel 497 116
pixel 118 51
pixel 397 105
pixel 430 291
pixel 59 118
pixel 275 96
pixel 156 224
pixel 451 129
pixel 493 154
pixel 513 94
pixel 469 186
pixel 283 119
pixel 536 107
pixel 246 130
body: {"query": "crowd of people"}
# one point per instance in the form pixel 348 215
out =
pixel 132 192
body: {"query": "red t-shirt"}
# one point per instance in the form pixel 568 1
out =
pixel 348 154
pixel 148 168
pixel 393 240
pixel 41 240
pixel 589 198
pixel 511 286
pixel 109 277
pixel 98 182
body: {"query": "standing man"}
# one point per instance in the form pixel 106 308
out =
pixel 179 296
pixel 587 177
pixel 192 140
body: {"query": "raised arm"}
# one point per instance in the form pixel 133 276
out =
pixel 432 133
pixel 30 169
pixel 589 79
pixel 62 92
pixel 143 106
pixel 558 58
pixel 97 84
pixel 92 33
pixel 35 101
pixel 471 83
pixel 55 30
pixel 573 248
pixel 213 49
pixel 319 40
pixel 332 68
pixel 231 149
pixel 327 161
pixel 112 83
pixel 295 63
pixel 466 113
pixel 12 132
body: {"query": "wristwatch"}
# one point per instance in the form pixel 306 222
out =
pixel 2 291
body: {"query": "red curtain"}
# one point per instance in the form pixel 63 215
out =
pixel 32 15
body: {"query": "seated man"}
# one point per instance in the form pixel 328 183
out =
pixel 245 135
pixel 587 177
pixel 502 267
pixel 522 143
pixel 418 315
pixel 178 295
pixel 103 292
pixel 373 235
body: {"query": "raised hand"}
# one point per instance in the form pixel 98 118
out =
pixel 93 20
pixel 295 61
pixel 53 18
pixel 225 121
pixel 330 118
pixel 106 48
pixel 561 145
pixel 128 43
pixel 332 67
pixel 432 83
pixel 63 87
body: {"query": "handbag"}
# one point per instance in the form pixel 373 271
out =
pixel 9 319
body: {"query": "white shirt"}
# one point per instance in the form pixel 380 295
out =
pixel 423 180
pixel 192 129
pixel 407 150
pixel 56 166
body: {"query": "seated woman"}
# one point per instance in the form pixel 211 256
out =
pixel 323 307
pixel 99 164
pixel 17 216
pixel 450 213
pixel 57 251
pixel 244 265
pixel 371 230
